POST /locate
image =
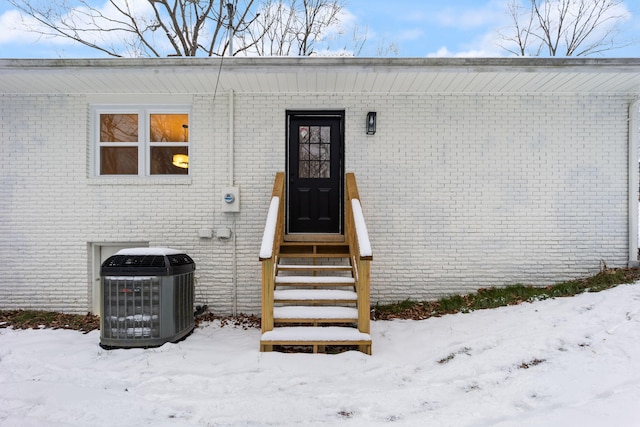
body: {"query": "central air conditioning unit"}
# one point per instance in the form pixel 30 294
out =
pixel 147 298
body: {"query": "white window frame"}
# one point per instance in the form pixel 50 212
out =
pixel 144 144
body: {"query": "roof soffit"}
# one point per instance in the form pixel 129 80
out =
pixel 321 75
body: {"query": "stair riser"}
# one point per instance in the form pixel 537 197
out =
pixel 310 287
pixel 316 322
pixel 318 347
pixel 313 302
pixel 314 267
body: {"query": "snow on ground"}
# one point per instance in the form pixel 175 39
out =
pixel 567 361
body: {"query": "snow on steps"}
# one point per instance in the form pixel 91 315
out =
pixel 315 333
pixel 316 336
pixel 315 314
pixel 296 267
pixel 308 292
pixel 315 280
pixel 314 295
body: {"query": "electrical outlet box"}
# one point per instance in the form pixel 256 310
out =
pixel 231 199
pixel 205 233
pixel 223 233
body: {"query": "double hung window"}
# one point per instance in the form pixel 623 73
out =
pixel 142 141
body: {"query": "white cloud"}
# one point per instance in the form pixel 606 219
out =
pixel 485 45
pixel 444 52
pixel 14 28
pixel 19 31
pixel 464 17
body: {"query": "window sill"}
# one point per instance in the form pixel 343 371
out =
pixel 139 180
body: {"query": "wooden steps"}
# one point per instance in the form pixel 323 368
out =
pixel 302 267
pixel 314 314
pixel 317 337
pixel 315 296
pixel 314 250
pixel 315 288
pixel 314 281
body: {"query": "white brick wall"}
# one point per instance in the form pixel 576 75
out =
pixel 459 191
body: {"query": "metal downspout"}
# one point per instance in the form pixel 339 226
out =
pixel 231 183
pixel 231 137
pixel 634 183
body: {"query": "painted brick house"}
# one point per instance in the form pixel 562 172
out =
pixel 481 172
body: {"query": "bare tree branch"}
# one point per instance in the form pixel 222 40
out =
pixel 160 28
pixel 138 27
pixel 563 27
pixel 286 27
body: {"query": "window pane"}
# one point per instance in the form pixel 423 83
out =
pixel 118 128
pixel 303 152
pixel 169 128
pixel 118 160
pixel 303 170
pixel 325 134
pixel 315 134
pixel 169 160
pixel 325 171
pixel 304 134
pixel 314 169
pixel 314 152
pixel 325 152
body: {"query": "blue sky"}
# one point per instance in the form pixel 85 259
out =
pixel 417 28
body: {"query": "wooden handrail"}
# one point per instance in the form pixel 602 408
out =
pixel 357 236
pixel 356 228
pixel 272 237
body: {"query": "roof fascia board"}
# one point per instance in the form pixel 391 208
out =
pixel 276 64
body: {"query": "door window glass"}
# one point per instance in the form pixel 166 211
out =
pixel 314 152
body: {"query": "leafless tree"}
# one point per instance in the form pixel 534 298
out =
pixel 563 27
pixel 158 28
pixel 291 27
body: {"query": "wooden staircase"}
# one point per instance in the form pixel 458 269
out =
pixel 315 293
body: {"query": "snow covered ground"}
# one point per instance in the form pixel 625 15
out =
pixel 568 361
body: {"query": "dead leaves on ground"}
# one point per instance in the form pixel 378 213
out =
pixel 33 319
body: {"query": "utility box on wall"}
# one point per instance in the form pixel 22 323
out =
pixel 231 199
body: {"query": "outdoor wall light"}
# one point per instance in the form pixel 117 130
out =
pixel 181 161
pixel 371 123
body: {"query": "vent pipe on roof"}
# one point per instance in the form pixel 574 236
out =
pixel 231 31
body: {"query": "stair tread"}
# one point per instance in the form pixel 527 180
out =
pixel 315 279
pixel 314 267
pixel 303 255
pixel 314 295
pixel 315 312
pixel 317 334
pixel 314 243
pixel 314 250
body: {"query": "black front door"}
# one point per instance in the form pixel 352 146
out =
pixel 315 172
